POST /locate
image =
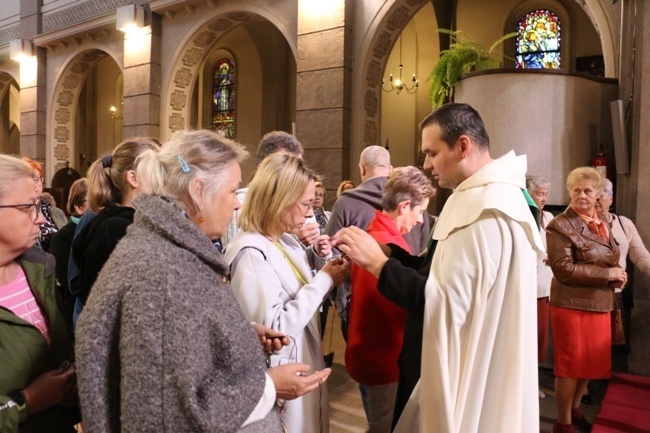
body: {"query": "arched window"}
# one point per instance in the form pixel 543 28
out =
pixel 538 40
pixel 223 96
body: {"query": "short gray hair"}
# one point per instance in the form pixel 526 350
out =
pixel 406 183
pixel 12 168
pixel 608 188
pixel 374 156
pixel 533 182
pixel 186 156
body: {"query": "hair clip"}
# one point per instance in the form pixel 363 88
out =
pixel 107 161
pixel 184 166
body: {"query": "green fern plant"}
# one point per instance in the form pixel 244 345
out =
pixel 462 56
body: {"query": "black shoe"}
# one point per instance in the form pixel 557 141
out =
pixel 329 359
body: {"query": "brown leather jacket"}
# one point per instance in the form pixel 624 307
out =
pixel 580 261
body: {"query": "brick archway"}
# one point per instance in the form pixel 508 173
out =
pixel 64 103
pixel 176 100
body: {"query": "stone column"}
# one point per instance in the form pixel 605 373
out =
pixel 141 109
pixel 32 87
pixel 323 87
pixel 639 180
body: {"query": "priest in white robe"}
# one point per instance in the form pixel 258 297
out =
pixel 479 353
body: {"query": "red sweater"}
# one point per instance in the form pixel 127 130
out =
pixel 376 325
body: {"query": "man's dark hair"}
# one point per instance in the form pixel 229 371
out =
pixel 273 141
pixel 455 120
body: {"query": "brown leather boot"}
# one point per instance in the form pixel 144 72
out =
pixel 579 421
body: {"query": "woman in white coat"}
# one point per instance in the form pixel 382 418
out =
pixel 272 278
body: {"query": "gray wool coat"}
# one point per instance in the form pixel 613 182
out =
pixel 162 345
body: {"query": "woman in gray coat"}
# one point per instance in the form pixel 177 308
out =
pixel 162 344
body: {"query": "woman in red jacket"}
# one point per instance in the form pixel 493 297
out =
pixel 375 324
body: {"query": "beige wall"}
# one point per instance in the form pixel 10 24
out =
pixel 109 132
pixel 56 5
pixel 557 120
pixel 9 13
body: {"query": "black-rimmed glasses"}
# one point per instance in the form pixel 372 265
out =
pixel 33 208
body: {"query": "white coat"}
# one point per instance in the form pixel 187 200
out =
pixel 479 351
pixel 270 293
pixel 544 272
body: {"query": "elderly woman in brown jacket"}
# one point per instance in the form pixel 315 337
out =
pixel 584 258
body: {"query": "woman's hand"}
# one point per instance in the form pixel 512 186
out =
pixel 338 269
pixel 291 380
pixel 308 233
pixel 50 388
pixel 322 245
pixel 271 340
pixel 618 277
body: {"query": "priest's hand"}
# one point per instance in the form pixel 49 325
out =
pixel 362 249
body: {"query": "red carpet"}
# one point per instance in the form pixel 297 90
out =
pixel 625 407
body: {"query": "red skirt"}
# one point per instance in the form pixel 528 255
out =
pixel 582 343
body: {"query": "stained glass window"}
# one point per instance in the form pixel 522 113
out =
pixel 538 40
pixel 223 97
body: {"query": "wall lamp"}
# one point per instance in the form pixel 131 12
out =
pixel 20 49
pixel 129 18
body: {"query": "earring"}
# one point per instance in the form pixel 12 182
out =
pixel 201 219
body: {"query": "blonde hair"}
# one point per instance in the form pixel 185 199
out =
pixel 406 183
pixel 279 183
pixel 585 173
pixel 188 155
pixel 12 168
pixel 342 187
pixel 107 183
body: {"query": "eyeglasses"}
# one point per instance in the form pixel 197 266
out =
pixel 307 206
pixel 38 178
pixel 27 207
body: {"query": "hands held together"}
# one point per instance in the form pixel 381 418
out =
pixel 290 380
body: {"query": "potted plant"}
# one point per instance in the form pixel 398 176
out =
pixel 463 55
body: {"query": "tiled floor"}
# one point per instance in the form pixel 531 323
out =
pixel 346 411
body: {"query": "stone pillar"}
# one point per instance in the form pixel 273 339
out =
pixel 323 87
pixel 639 360
pixel 141 109
pixel 33 87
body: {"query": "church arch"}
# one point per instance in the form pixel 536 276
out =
pixel 64 104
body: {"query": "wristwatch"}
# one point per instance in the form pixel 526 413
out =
pixel 19 398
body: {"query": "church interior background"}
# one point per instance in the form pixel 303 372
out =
pixel 78 76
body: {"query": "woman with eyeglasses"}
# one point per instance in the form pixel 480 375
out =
pixel 272 278
pixel 583 256
pixel 37 380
